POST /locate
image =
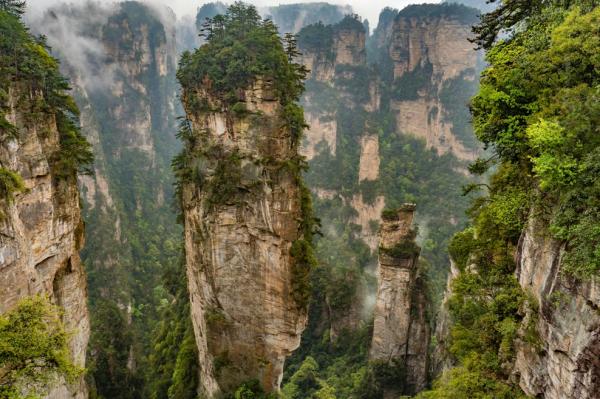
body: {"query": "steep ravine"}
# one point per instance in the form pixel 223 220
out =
pixel 121 60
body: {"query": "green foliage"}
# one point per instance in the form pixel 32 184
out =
pixel 33 349
pixel 470 382
pixel 110 343
pixel 14 7
pixel 251 390
pixel 405 249
pixel 303 262
pixel 412 84
pixel 326 369
pixel 538 108
pixel 381 375
pixel 249 48
pixel 10 183
pixel 27 69
pixel 461 246
pixel 317 38
pixel 174 358
pixel 465 15
pixel 223 187
pixel 455 95
pixel 350 22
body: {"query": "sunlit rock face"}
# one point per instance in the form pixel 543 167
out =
pixel 237 246
pixel 41 231
pixel 401 331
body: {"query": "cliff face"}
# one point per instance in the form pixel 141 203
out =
pixel 41 231
pixel 361 158
pixel 401 330
pixel 240 224
pixel 427 56
pixel 335 60
pixel 564 360
pixel 122 60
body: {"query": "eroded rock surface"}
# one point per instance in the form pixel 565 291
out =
pixel 565 362
pixel 41 231
pixel 239 267
pixel 401 331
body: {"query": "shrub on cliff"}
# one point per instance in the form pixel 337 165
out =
pixel 33 349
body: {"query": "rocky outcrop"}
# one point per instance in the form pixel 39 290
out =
pixel 401 330
pixel 293 17
pixel 434 68
pixel 322 131
pixel 343 44
pixel 240 224
pixel 41 231
pixel 367 216
pixel 562 359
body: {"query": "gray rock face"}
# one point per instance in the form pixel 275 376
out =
pixel 41 232
pixel 239 267
pixel 401 331
pixel 565 362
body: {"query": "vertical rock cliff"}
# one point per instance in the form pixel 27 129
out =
pixel 362 161
pixel 122 61
pixel 41 151
pixel 563 361
pixel 425 55
pixel 524 295
pixel 401 329
pixel 247 222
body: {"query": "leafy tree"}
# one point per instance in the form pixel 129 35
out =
pixel 33 349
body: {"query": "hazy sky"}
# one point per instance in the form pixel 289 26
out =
pixel 365 8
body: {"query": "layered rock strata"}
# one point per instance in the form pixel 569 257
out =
pixel 401 331
pixel 240 224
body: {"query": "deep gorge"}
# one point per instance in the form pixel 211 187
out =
pixel 292 201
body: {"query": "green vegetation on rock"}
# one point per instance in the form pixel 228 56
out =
pixel 33 349
pixel 537 110
pixel 31 76
pixel 252 50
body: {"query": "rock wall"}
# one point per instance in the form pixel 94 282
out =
pixel 239 267
pixel 401 330
pixel 565 361
pixel 347 48
pixel 427 51
pixel 41 231
pixel 121 60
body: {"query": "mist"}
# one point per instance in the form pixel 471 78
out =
pixel 369 9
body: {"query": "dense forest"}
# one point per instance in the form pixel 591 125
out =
pixel 244 209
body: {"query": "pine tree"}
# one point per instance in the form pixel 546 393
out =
pixel 15 7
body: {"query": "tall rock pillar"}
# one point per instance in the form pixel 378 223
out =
pixel 401 331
